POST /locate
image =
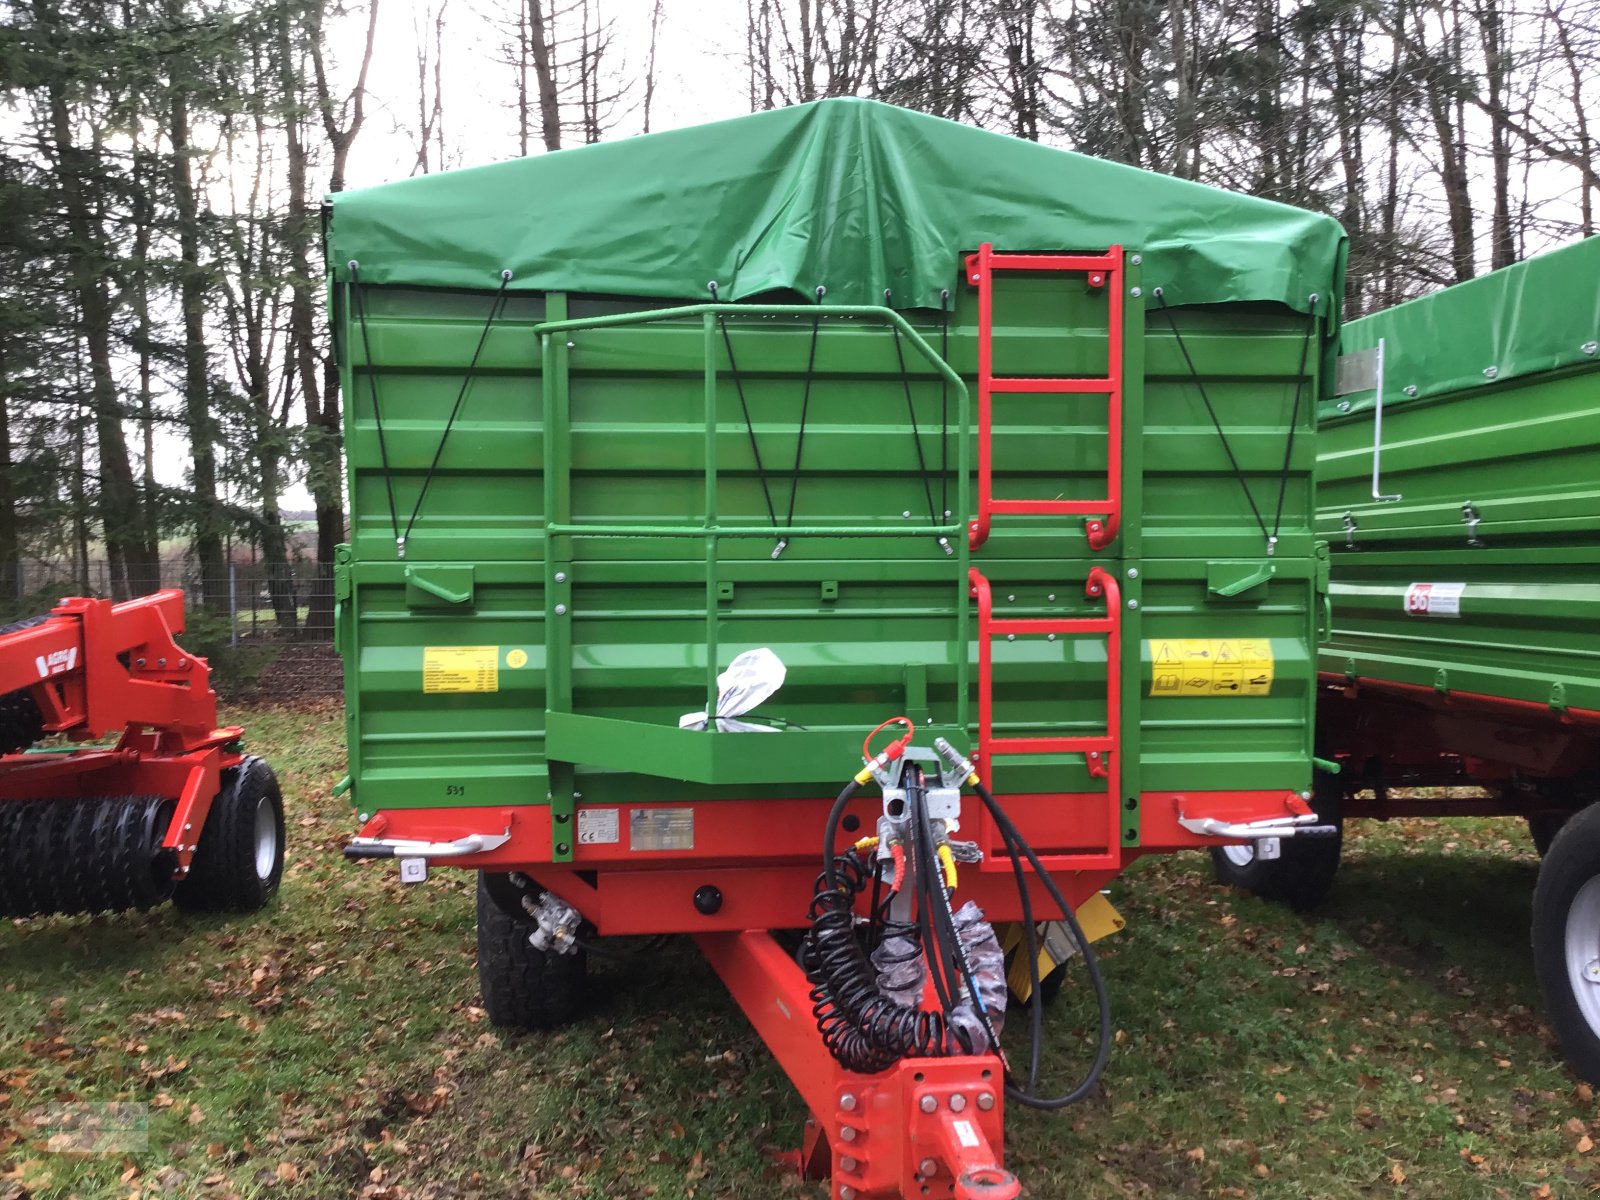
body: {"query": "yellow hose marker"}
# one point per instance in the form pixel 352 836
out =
pixel 949 861
pixel 864 775
pixel 865 844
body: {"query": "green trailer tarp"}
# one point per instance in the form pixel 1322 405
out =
pixel 851 195
pixel 1541 314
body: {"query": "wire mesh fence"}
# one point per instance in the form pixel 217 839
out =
pixel 267 633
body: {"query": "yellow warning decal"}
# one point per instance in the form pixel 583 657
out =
pixel 1210 666
pixel 461 668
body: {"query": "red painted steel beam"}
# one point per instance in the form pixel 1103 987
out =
pixel 925 1126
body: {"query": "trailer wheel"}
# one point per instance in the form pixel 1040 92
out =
pixel 1566 940
pixel 240 861
pixel 524 988
pixel 1304 870
pixel 1543 827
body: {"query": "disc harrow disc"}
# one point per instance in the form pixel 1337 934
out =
pixel 91 855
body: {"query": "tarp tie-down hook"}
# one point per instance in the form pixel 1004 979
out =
pixel 496 308
pixel 749 426
pixel 358 307
pixel 916 432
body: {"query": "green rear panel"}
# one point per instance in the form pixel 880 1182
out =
pixel 1521 454
pixel 565 526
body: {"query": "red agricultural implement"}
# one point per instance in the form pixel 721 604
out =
pixel 173 810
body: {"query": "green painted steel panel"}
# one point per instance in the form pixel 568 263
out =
pixel 851 194
pixel 1499 486
pixel 593 539
pixel 868 626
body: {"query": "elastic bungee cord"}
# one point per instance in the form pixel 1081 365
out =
pixel 865 1030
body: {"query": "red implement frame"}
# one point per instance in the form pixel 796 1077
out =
pixel 95 668
pixel 1103 517
pixel 1100 751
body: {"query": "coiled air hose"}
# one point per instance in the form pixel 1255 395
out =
pixel 868 1033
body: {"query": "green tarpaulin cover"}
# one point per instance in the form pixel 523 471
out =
pixel 1542 314
pixel 849 194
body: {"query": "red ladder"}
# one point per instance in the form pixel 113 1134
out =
pixel 1102 271
pixel 1101 751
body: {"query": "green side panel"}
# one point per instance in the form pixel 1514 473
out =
pixel 1499 486
pixel 850 194
pixel 1538 315
pixel 597 508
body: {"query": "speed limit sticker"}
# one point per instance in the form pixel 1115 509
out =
pixel 1434 599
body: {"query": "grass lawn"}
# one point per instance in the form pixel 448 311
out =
pixel 1390 1045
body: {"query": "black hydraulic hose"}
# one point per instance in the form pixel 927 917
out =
pixel 1014 842
pixel 830 832
pixel 953 950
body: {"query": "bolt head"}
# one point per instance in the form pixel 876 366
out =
pixel 1133 572
pixel 847 1193
pixel 561 610
pixel 364 817
pixel 846 1163
pixel 561 576
pixel 929 1104
pixel 986 1100
pixel 848 1133
pixel 958 1102
pixel 1136 259
pixel 928 1167
pixel 1136 292
pixel 1133 604
pixel 848 1102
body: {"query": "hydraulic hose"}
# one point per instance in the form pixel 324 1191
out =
pixel 1014 842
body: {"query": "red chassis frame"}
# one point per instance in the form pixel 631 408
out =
pixel 96 668
pixel 933 1123
pixel 1388 734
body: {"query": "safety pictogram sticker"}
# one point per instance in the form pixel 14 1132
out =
pixel 1192 667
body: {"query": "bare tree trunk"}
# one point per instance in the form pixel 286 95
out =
pixel 129 547
pixel 208 520
pixel 650 62
pixel 10 542
pixel 1185 163
pixel 544 73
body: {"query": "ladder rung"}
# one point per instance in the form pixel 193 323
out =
pixel 1050 745
pixel 1040 508
pixel 1050 625
pixel 1051 262
pixel 1013 384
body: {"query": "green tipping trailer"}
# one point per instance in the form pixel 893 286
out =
pixel 1459 491
pixel 1006 442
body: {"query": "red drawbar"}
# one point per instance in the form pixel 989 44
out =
pixel 1101 271
pixel 927 1126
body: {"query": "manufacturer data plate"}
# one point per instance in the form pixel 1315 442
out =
pixel 661 829
pixel 461 668
pixel 599 826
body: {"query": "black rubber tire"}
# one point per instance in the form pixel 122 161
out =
pixel 1543 827
pixel 524 988
pixel 1573 860
pixel 225 875
pixel 1304 870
